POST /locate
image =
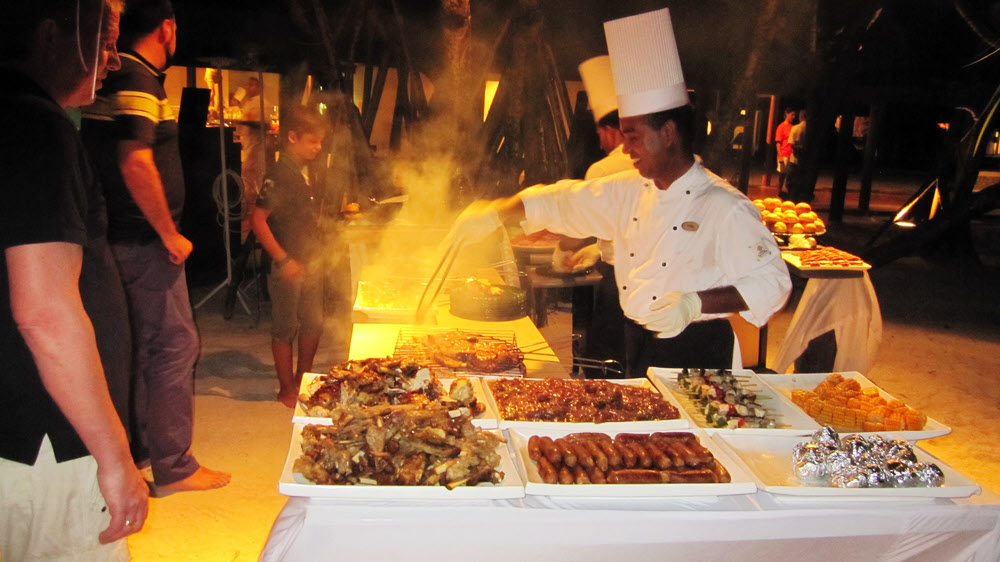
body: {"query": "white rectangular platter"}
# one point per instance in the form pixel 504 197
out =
pixel 624 426
pixel 795 259
pixel 788 417
pixel 769 459
pixel 291 484
pixel 785 384
pixel 742 482
pixel 486 420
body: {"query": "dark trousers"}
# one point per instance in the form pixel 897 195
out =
pixel 166 347
pixel 706 345
pixel 606 332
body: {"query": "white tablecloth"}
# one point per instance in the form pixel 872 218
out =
pixel 848 307
pixel 733 528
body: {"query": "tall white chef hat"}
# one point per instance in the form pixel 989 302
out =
pixel 645 64
pixel 600 86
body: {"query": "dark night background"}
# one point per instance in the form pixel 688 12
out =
pixel 919 55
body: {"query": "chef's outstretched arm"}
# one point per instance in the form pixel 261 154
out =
pixel 482 218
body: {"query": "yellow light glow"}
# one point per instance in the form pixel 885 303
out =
pixel 491 92
pixel 708 128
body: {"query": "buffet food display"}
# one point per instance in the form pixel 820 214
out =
pixel 390 428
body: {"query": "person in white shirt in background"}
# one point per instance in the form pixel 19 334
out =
pixel 690 249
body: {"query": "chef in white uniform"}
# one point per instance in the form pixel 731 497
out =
pixel 689 248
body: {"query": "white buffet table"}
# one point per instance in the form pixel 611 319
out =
pixel 734 528
pixel 727 528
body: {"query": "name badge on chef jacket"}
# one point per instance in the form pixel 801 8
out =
pixel 689 226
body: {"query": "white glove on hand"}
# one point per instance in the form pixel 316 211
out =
pixel 562 260
pixel 671 313
pixel 474 224
pixel 568 261
pixel 585 258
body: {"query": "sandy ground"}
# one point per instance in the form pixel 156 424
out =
pixel 940 343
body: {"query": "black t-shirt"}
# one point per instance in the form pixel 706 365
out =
pixel 296 209
pixel 132 105
pixel 50 194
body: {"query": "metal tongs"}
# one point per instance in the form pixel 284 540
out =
pixel 606 366
pixel 446 262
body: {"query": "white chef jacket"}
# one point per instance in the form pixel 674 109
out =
pixel 616 161
pixel 699 234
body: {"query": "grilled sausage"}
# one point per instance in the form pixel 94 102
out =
pixel 546 471
pixel 697 476
pixel 597 476
pixel 565 475
pixel 569 457
pixel 638 476
pixel 550 451
pixel 535 448
pixel 583 456
pixel 600 459
pixel 721 474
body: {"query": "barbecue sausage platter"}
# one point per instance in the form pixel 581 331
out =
pixel 625 464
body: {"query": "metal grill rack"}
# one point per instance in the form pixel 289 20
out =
pixel 410 345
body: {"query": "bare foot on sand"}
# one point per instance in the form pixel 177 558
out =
pixel 202 479
pixel 288 397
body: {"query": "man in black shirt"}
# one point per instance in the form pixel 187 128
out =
pixel 68 486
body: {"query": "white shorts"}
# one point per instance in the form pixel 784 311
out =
pixel 54 511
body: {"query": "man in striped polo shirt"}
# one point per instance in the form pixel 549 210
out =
pixel 131 134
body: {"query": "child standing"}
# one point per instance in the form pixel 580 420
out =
pixel 287 219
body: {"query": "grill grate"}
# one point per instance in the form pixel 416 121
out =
pixel 410 344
